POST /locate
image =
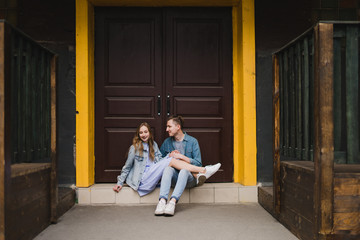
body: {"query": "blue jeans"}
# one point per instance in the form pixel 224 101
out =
pixel 179 179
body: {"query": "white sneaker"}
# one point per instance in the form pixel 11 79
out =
pixel 200 179
pixel 160 208
pixel 170 209
pixel 210 170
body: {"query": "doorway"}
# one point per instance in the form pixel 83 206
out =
pixel 154 62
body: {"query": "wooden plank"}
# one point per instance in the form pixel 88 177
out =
pixel 337 95
pixel 352 87
pixel 20 100
pixel 286 105
pixel 2 132
pixel 281 99
pixel 312 76
pixel 266 199
pixel 41 101
pixel 28 97
pixel 29 188
pixel 276 133
pixel 348 222
pixel 5 124
pixel 299 200
pixel 300 176
pixel 54 183
pixel 306 104
pixel 66 200
pixel 36 106
pixel 298 225
pixel 298 105
pixel 307 166
pixel 347 187
pixel 292 101
pixel 324 139
pixel 347 204
pixel 28 221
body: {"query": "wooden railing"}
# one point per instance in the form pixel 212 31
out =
pixel 295 69
pixel 30 100
pixel 316 118
pixel 27 135
pixel 296 76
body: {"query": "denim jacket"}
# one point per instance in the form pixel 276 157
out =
pixel 192 149
pixel 135 165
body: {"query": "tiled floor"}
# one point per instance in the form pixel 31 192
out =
pixel 208 193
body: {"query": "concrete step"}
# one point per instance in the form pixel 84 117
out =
pixel 207 193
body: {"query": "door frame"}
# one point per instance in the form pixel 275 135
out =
pixel 244 84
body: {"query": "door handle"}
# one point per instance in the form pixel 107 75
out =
pixel 168 104
pixel 159 104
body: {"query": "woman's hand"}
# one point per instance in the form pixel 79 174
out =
pixel 173 153
pixel 117 188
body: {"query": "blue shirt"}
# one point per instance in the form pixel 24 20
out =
pixel 191 146
pixel 135 166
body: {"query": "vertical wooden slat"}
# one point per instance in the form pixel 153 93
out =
pixel 32 102
pixel 48 106
pixel 299 117
pixel 54 183
pixel 306 104
pixel 41 106
pixel 281 89
pixel 14 101
pixel 3 164
pixel 27 104
pixel 352 87
pixel 311 97
pixel 337 96
pixel 5 124
pixel 36 109
pixel 276 134
pixel 292 102
pixel 286 104
pixel 324 139
pixel 19 95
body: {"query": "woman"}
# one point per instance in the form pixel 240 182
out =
pixel 144 165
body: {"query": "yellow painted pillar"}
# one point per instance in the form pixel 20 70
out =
pixel 244 93
pixel 85 159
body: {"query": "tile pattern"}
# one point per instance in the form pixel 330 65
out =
pixel 207 193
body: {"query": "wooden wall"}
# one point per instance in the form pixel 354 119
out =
pixel 28 207
pixel 347 204
pixel 297 198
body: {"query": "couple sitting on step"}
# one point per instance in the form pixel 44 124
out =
pixel 177 163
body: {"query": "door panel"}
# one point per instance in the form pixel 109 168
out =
pixel 153 62
pixel 199 80
pixel 128 78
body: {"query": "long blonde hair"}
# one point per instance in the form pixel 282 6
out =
pixel 137 142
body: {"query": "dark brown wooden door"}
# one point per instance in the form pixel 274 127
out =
pixel 154 62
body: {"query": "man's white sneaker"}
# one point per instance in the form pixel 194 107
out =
pixel 170 209
pixel 210 170
pixel 200 179
pixel 160 208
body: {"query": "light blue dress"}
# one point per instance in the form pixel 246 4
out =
pixel 152 173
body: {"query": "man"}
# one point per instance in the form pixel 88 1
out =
pixel 184 147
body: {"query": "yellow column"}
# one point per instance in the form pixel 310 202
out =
pixel 244 93
pixel 85 159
